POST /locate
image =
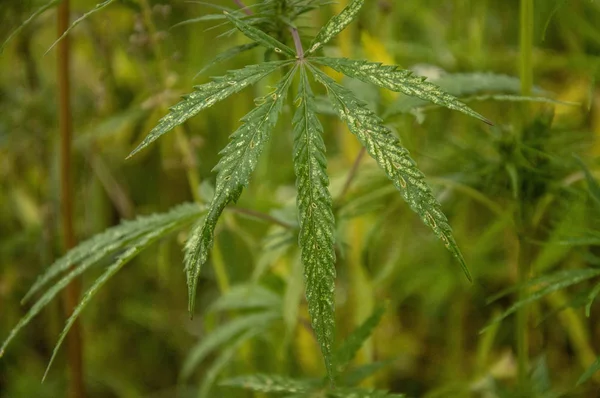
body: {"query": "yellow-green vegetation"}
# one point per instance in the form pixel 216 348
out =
pixel 360 199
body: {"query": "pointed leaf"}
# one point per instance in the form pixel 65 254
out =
pixel 316 220
pixel 26 23
pixel 180 215
pixel 270 384
pixel 394 79
pixel 590 299
pixel 576 276
pixel 225 55
pixel 595 367
pixel 207 95
pixel 247 296
pixel 259 36
pixel 394 159
pixel 361 393
pixel 123 259
pixel 239 158
pixel 222 335
pixel 97 8
pixel 353 343
pixel 335 25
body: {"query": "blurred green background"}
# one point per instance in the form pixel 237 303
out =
pixel 137 334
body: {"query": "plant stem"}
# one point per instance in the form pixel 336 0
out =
pixel 526 37
pixel 523 246
pixel 352 173
pixel 71 293
pixel 244 8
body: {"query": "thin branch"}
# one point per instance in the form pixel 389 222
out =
pixel 244 8
pixel 71 293
pixel 297 43
pixel 352 173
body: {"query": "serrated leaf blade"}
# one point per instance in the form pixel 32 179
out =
pixel 239 158
pixel 207 95
pixel 394 79
pixel 394 159
pixel 315 215
pixel 335 25
pixel 259 36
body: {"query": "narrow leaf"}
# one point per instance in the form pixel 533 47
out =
pixel 260 37
pixel 26 23
pixel 180 215
pixel 227 54
pixel 270 384
pixel 384 147
pixel 593 185
pixel 207 95
pixel 222 335
pixel 353 343
pixel 394 79
pixel 316 220
pixel 335 25
pixel 123 259
pixel 111 240
pixel 97 8
pixel 361 393
pixel 247 296
pixel 595 367
pixel 239 158
pixel 558 285
pixel 590 299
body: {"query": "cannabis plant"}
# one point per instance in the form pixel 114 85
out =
pixel 299 67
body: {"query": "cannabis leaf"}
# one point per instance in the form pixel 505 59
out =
pixel 315 213
pixel 239 158
pixel 259 36
pixel 403 81
pixel 394 159
pixel 207 95
pixel 335 25
pixel 130 236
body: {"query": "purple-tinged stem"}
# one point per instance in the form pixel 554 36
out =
pixel 241 4
pixel 297 43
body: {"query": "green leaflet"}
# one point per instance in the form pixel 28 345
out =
pixel 555 282
pixel 225 55
pixel 361 393
pixel 353 343
pixel 270 384
pixel 25 23
pixel 260 37
pixel 335 25
pixel 141 244
pixel 239 158
pixel 94 250
pixel 394 79
pixel 316 220
pixel 207 95
pixel 595 367
pixel 97 8
pixel 247 296
pixel 222 335
pixel 394 159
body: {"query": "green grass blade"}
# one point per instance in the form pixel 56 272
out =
pixel 394 79
pixel 123 259
pixel 595 367
pixel 207 95
pixel 353 343
pixel 260 37
pixel 572 279
pixel 590 299
pixel 361 393
pixel 316 220
pixel 239 158
pixel 26 23
pixel 222 335
pixel 94 10
pixel 335 25
pixel 270 384
pixel 384 147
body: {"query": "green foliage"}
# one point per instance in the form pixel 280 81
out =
pixel 316 237
pixel 512 189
